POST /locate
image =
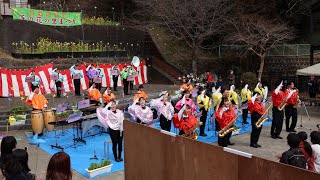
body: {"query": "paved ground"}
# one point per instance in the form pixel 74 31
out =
pixel 38 159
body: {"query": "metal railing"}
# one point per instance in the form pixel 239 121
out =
pixel 5 7
pixel 279 50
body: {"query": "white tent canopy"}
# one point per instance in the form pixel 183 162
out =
pixel 313 70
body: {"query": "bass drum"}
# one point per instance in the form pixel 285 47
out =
pixel 37 121
pixel 49 117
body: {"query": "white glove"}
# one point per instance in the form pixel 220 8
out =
pixel 246 88
pixel 278 88
pixel 253 99
pixel 181 112
pixel 31 96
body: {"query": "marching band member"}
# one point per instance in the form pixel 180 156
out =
pixel 204 103
pixel 187 87
pixel 245 97
pixel 140 93
pixel 94 95
pixel 140 112
pixel 76 82
pixel 37 100
pixel 108 95
pixel 91 73
pixel 112 118
pixel 186 100
pixel 184 120
pixel 124 75
pixel 59 81
pixel 233 96
pixel 257 110
pixel 100 74
pixel 224 116
pixel 165 111
pixel 290 110
pixel 35 83
pixel 115 77
pixel 259 89
pixel 131 71
pixel 278 97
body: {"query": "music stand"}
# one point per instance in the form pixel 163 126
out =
pixel 76 76
pixel 54 77
pixel 30 79
pixel 83 104
pixel 97 79
pixel 114 72
pixel 62 107
pixel 303 105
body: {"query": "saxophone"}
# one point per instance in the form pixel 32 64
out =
pixel 261 120
pixel 192 134
pixel 226 130
pixel 297 102
pixel 283 103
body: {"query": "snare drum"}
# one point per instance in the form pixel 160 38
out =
pixel 49 117
pixel 37 121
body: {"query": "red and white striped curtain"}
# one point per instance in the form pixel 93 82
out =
pixel 13 81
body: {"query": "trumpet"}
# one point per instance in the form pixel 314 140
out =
pixel 261 120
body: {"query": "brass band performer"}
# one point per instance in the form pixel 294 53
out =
pixel 290 109
pixel 245 97
pixel 278 97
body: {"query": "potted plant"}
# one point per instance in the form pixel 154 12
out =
pixel 99 168
pixel 19 113
pixel 62 115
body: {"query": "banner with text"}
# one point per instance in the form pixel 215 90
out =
pixel 49 18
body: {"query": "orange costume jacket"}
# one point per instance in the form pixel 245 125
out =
pixel 108 97
pixel 94 94
pixel 38 101
pixel 140 94
pixel 277 98
pixel 256 107
pixel 185 87
pixel 184 124
pixel 226 118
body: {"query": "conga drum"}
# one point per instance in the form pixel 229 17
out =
pixel 49 117
pixel 37 121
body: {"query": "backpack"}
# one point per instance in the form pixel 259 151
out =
pixel 297 159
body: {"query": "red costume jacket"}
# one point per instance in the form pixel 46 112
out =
pixel 277 98
pixel 184 124
pixel 256 107
pixel 293 97
pixel 227 117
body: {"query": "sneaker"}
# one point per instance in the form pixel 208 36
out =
pixel 273 137
pixel 254 145
pixel 293 131
pixel 258 145
pixel 279 137
pixel 230 143
pixel 120 159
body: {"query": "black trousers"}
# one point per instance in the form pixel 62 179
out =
pixel 131 85
pixel 33 87
pixel 58 87
pixel 290 111
pixel 255 134
pixel 115 82
pixel 203 119
pixel 165 123
pixel 98 86
pixel 77 83
pixel 224 141
pixel 125 86
pixel 277 121
pixel 116 139
pixel 244 115
pixel 90 82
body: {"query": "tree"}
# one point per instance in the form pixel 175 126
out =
pixel 258 35
pixel 192 21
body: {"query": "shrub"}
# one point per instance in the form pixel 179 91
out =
pixel 99 165
pixel 250 78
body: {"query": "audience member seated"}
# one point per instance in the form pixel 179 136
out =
pixel 315 140
pixel 59 167
pixel 306 149
pixel 16 168
pixel 294 156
